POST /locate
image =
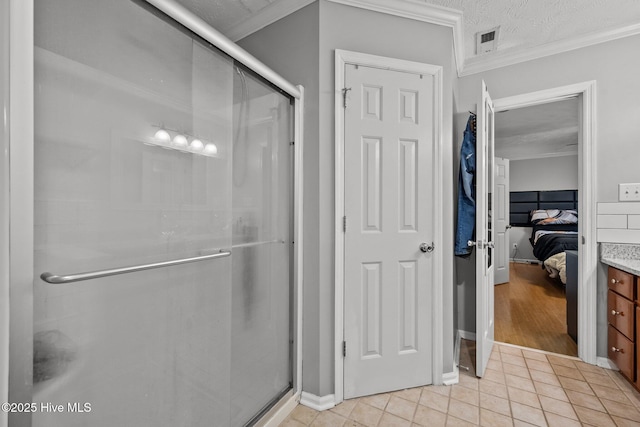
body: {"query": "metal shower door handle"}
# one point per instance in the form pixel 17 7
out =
pixel 426 247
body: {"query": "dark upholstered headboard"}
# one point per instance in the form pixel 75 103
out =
pixel 523 202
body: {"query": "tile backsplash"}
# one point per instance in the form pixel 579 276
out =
pixel 619 222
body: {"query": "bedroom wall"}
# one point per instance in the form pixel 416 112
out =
pixel 615 69
pixel 301 48
pixel 554 173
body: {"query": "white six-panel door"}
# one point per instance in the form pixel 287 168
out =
pixel 503 248
pixel 388 157
pixel 485 231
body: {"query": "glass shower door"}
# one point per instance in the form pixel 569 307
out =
pixel 152 146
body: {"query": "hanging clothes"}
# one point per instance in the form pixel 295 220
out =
pixel 466 190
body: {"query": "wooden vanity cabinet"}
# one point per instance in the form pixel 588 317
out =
pixel 623 316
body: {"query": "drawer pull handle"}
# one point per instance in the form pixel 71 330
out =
pixel 617 350
pixel 615 281
pixel 616 313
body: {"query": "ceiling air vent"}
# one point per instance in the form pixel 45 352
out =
pixel 487 41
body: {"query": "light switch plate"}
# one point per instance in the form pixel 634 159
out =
pixel 629 192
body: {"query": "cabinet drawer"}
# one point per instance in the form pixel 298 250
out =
pixel 620 314
pixel 620 351
pixel 621 282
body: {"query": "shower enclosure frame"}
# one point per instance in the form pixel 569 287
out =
pixel 17 189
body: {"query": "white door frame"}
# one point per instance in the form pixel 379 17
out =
pixel 343 57
pixel 588 253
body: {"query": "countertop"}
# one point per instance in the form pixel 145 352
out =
pixel 624 257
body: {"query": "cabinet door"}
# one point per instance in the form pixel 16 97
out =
pixel 620 313
pixel 621 282
pixel 621 352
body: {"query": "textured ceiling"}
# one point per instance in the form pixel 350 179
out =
pixel 527 23
pixel 532 132
pixel 523 23
pixel 224 14
pixel 545 130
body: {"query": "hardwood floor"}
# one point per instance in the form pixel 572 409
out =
pixel 530 311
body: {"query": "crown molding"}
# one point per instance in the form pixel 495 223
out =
pixel 420 11
pixel 502 59
pixel 439 15
pixel 266 16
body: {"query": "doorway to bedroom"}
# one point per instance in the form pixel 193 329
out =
pixel 537 182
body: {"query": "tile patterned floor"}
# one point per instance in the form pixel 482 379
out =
pixel 521 387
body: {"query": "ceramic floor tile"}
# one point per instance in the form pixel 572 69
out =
pixel 304 415
pixel 466 395
pixel 528 414
pixel 434 400
pixel 552 391
pixel 365 414
pixel 493 388
pixel 539 365
pixel 411 394
pixel 535 355
pixel 622 422
pixel 402 408
pixel 513 360
pixel 495 404
pixel 557 421
pixel 585 400
pixel 390 420
pixel 507 349
pixel 565 371
pixel 518 371
pixel 464 411
pixel 345 407
pixel 621 410
pixel 580 394
pixel 576 385
pixel 524 397
pixel 377 400
pixel 328 419
pixel 595 418
pixel 557 407
pixel 519 382
pixel 544 377
pixel 493 419
pixel 428 417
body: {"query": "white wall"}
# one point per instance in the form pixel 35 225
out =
pixel 615 68
pixel 288 46
pixel 553 173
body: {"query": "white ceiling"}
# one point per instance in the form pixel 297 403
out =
pixel 528 28
pixel 546 130
pixel 528 23
pixel 524 24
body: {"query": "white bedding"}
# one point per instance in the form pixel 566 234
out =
pixel 556 266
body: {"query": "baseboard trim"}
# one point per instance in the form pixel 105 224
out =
pixel 466 335
pixel 524 261
pixel 319 403
pixel 606 363
pixel 277 415
pixel 451 378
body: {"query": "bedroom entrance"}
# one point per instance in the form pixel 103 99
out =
pixel 537 191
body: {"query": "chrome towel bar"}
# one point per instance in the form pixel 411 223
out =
pixel 70 278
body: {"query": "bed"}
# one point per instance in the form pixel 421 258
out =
pixel 554 231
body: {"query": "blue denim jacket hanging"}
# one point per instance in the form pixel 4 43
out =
pixel 466 191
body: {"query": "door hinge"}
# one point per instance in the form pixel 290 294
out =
pixel 344 96
pixel 344 223
pixel 344 349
